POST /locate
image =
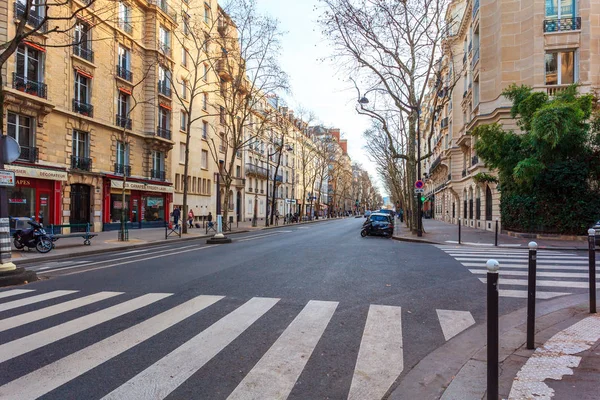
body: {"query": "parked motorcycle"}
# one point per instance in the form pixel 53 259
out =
pixel 33 237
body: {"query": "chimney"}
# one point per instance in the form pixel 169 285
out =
pixel 335 132
pixel 344 145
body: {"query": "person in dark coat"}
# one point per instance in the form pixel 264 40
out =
pixel 176 216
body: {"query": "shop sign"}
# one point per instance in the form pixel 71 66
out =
pixel 17 201
pixel 7 178
pixel 43 201
pixel 145 187
pixel 38 173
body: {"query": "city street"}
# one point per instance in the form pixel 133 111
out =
pixel 299 312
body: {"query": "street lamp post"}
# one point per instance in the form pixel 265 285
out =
pixel 219 237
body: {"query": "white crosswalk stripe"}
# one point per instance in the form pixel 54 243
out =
pixel 14 292
pixel 35 299
pixel 379 363
pixel 564 270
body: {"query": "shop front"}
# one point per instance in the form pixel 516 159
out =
pixel 37 193
pixel 141 204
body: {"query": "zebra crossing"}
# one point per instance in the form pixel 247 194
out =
pixel 558 273
pixel 379 361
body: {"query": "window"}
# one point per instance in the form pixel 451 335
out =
pixel 204 159
pixel 186 24
pixel 204 130
pixel 222 147
pixel 122 153
pixel 238 171
pixel 177 182
pixel 208 187
pixel 123 104
pixel 184 57
pixel 184 89
pixel 164 81
pixel 164 37
pixel 560 68
pixel 29 64
pixel 206 43
pixel 81 41
pixel 181 153
pixel 124 63
pixel 20 128
pixel 222 114
pixel 82 88
pixel 560 8
pixel 80 150
pixel 125 17
pixel 183 121
pixel 164 122
pixel 205 72
pixel 158 160
pixel 206 13
pixel 205 101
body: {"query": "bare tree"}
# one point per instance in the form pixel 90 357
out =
pixel 394 49
pixel 247 64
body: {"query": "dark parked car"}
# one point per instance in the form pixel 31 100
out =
pixel 378 224
pixel 391 213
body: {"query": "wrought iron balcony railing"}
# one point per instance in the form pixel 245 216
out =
pixel 126 26
pixel 464 173
pixel 562 24
pixel 123 122
pixel 29 154
pixel 474 160
pixel 162 132
pixel 444 122
pixel 164 88
pixel 81 163
pixel 122 169
pixel 33 19
pixel 83 52
pixel 83 108
pixel 165 7
pixel 252 169
pixel 124 73
pixel 26 85
pixel 157 174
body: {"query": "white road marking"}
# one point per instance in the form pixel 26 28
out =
pixel 513 253
pixel 525 266
pixel 380 358
pixel 22 319
pixel 482 244
pixel 261 236
pixel 42 338
pixel 14 292
pixel 35 299
pixel 513 259
pixel 523 282
pixel 454 322
pixel 538 273
pixel 522 294
pixel 51 376
pixel 275 374
pixel 131 261
pixel 164 376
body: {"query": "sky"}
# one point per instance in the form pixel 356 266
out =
pixel 318 86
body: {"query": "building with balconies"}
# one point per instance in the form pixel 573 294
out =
pixel 545 44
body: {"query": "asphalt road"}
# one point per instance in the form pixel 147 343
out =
pixel 281 313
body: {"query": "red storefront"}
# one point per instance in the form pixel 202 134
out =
pixel 37 193
pixel 146 204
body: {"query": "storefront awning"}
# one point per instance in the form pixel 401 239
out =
pixel 39 173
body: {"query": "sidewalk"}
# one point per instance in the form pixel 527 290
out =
pixel 564 365
pixel 138 238
pixel 438 232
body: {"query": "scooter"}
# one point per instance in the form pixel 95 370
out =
pixel 33 237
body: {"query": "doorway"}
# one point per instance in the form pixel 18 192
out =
pixel 239 205
pixel 43 207
pixel 80 206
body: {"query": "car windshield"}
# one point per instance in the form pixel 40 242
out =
pixel 382 218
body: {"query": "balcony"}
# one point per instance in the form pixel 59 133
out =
pixel 165 49
pixel 126 26
pixel 82 108
pixel 123 122
pixel 29 154
pixel 444 123
pixel 164 133
pixel 553 90
pixel 562 24
pixel 28 86
pixel 124 73
pixel 165 7
pixel 157 174
pixel 164 88
pixel 475 59
pixel 122 169
pixel 83 52
pixel 435 164
pixel 33 19
pixel 475 8
pixel 81 163
pixel 250 190
pixel 255 170
pixel 474 160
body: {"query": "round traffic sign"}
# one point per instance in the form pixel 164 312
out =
pixel 419 184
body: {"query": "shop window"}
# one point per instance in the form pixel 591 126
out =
pixel 154 208
pixel 119 209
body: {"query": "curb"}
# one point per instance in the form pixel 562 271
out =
pixel 431 377
pixel 411 240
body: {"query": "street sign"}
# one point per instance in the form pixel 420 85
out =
pixel 7 178
pixel 419 184
pixel 419 190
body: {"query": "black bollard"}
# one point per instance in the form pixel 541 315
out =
pixel 492 329
pixel 459 231
pixel 496 237
pixel 592 258
pixel 531 288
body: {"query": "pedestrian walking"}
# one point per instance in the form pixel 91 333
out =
pixel 209 218
pixel 276 217
pixel 401 215
pixel 176 215
pixel 191 219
